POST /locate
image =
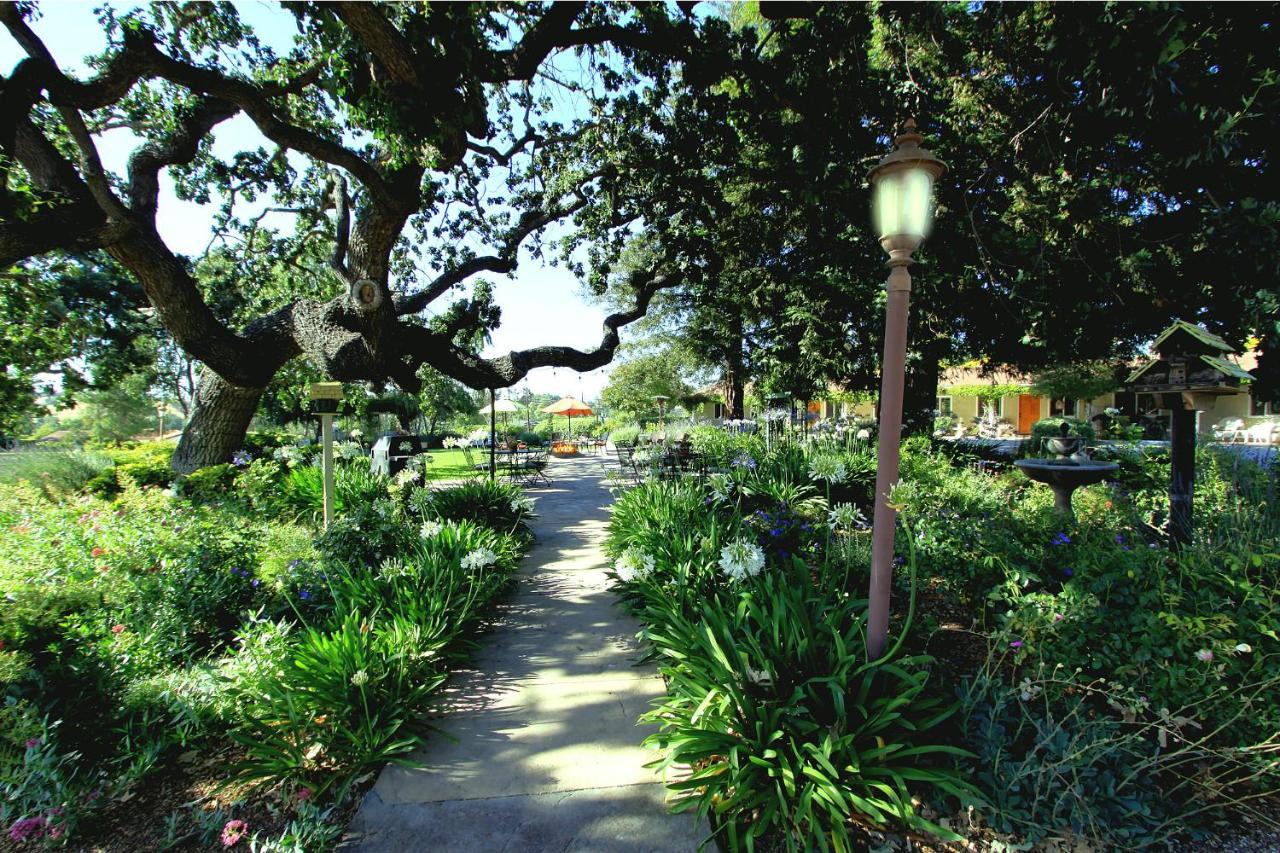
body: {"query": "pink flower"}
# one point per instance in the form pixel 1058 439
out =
pixel 1016 644
pixel 33 743
pixel 1205 655
pixel 304 794
pixel 28 827
pixel 96 553
pixel 233 832
pixel 116 629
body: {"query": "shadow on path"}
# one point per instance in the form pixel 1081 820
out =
pixel 541 751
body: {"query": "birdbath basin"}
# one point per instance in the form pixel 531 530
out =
pixel 1064 476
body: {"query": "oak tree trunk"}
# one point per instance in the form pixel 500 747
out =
pixel 220 415
pixel 733 403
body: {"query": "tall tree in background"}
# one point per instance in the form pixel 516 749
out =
pixel 396 136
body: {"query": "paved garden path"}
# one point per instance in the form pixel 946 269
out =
pixel 547 753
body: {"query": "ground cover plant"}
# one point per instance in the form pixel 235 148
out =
pixel 208 619
pixel 1105 688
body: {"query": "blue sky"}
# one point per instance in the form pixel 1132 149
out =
pixel 540 304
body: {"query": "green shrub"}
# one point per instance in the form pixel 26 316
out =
pixel 146 464
pixel 56 472
pixel 501 506
pixel 210 483
pixel 1052 427
pixel 788 731
pixel 625 434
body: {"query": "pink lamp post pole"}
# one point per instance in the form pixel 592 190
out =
pixel 902 205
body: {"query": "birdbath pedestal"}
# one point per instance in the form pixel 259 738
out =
pixel 1064 476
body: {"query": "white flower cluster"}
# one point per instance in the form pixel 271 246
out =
pixel 360 679
pixel 349 450
pixel 862 434
pixel 1112 411
pixel 430 528
pixel 406 477
pixel 522 505
pixel 776 415
pixel 829 468
pixel 721 487
pixel 846 516
pixel 633 565
pixel 356 433
pixel 741 559
pixel 454 441
pixel 479 559
pixel 288 454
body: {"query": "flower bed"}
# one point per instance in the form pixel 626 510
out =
pixel 1108 689
pixel 151 628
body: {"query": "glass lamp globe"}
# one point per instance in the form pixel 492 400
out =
pixel 902 194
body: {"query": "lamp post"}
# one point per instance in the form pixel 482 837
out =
pixel 902 207
pixel 325 397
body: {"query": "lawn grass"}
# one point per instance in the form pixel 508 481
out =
pixel 451 464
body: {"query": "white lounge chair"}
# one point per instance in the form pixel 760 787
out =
pixel 1263 432
pixel 1231 429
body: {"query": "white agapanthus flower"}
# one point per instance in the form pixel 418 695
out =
pixel 479 559
pixel 1112 411
pixel 633 565
pixel 360 679
pixel 356 433
pixel 829 468
pixel 741 559
pixel 522 505
pixel 430 528
pixel 758 677
pixel 863 434
pixel 846 516
pixel 406 477
pixel 721 487
pixel 349 450
pixel 1244 648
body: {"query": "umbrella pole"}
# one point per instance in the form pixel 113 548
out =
pixel 493 430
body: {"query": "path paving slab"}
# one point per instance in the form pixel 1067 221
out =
pixel 540 749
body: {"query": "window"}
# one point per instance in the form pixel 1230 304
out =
pixel 944 405
pixel 1064 407
pixel 996 407
pixel 719 412
pixel 1258 408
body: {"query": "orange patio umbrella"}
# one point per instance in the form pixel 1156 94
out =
pixel 568 406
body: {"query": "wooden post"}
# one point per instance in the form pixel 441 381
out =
pixel 493 436
pixel 1182 472
pixel 326 438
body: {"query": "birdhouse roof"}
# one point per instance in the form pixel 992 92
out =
pixel 1173 339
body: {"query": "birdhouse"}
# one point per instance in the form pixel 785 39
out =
pixel 325 397
pixel 1191 369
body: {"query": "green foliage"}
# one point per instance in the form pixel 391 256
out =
pixel 499 505
pixel 634 383
pixel 209 484
pixel 56 472
pixel 145 464
pixel 1052 428
pixel 788 731
pixel 1076 381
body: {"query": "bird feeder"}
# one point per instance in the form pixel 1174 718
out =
pixel 1190 371
pixel 325 397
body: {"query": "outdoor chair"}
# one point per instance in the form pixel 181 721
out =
pixel 1231 429
pixel 533 467
pixel 471 460
pixel 1262 433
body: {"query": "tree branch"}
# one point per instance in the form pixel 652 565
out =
pixel 502 262
pixel 177 148
pixel 342 227
pixel 382 40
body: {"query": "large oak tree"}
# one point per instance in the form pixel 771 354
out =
pixel 414 146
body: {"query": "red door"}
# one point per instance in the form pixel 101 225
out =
pixel 1028 412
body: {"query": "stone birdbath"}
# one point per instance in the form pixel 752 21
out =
pixel 1071 469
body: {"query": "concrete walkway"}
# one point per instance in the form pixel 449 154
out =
pixel 547 753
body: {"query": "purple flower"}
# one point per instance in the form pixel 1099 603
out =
pixel 28 827
pixel 305 595
pixel 1119 538
pixel 1060 539
pixel 1016 644
pixel 241 458
pixel 898 561
pixel 254 583
pixel 1068 572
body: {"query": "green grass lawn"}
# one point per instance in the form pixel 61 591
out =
pixel 450 464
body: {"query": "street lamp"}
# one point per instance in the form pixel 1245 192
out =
pixel 902 207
